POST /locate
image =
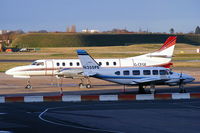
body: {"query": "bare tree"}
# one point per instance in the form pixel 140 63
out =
pixel 197 30
pixel 171 31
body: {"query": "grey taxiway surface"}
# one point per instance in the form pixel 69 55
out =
pixel 168 116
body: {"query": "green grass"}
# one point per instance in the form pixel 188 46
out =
pixel 103 39
pixel 7 65
pixel 101 52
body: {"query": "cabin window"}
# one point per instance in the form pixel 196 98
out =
pixel 163 72
pixel 107 63
pixel 71 64
pixel 78 64
pixel 100 63
pixel 155 72
pixel 63 64
pixel 146 72
pixel 117 72
pixel 126 72
pixel 58 64
pixel 136 72
pixel 114 63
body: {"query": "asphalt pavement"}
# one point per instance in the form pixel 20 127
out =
pixel 162 116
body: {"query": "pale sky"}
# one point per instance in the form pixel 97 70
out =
pixel 55 15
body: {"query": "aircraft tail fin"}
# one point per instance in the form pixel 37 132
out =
pixel 90 66
pixel 167 49
pixel 171 41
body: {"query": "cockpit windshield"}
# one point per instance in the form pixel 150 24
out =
pixel 38 63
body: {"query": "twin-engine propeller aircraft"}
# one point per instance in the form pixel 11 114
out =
pixel 140 76
pixel 71 68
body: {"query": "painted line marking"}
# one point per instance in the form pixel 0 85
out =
pixel 40 116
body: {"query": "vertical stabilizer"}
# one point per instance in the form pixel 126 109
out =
pixel 90 66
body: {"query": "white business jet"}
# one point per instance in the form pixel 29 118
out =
pixel 71 68
pixel 140 76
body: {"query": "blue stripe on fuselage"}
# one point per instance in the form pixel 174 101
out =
pixel 117 77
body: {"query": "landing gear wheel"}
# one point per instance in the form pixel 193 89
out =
pixel 88 85
pixel 28 87
pixel 141 89
pixel 182 91
pixel 81 85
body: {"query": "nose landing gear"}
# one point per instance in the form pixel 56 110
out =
pixel 28 86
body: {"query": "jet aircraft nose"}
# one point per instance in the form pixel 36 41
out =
pixel 9 72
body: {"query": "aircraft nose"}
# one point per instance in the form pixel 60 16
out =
pixel 189 78
pixel 9 72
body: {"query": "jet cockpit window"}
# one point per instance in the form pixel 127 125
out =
pixel 163 72
pixel 38 63
pixel 117 72
pixel 146 72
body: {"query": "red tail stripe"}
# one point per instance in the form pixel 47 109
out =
pixel 169 42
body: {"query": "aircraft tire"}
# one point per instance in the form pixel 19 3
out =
pixel 182 91
pixel 28 87
pixel 81 85
pixel 88 86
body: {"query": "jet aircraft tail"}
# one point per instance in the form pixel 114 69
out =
pixel 161 56
pixel 167 49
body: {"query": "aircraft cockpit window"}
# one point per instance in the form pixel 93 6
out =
pixel 38 63
pixel 146 72
pixel 34 63
pixel 117 72
pixel 126 72
pixel 163 72
pixel 155 72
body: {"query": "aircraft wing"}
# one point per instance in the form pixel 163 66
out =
pixel 144 80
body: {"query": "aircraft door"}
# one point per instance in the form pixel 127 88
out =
pixel 49 67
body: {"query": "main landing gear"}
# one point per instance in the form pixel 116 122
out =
pixel 28 85
pixel 87 85
pixel 181 87
pixel 141 89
